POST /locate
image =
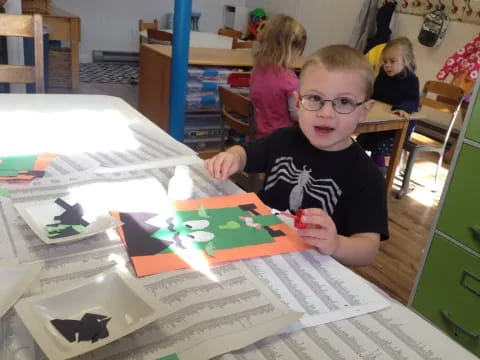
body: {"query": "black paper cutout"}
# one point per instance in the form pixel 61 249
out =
pixel 36 173
pixel 251 208
pixel 91 327
pixel 138 235
pixel 72 214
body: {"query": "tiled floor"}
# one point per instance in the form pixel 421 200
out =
pixel 129 93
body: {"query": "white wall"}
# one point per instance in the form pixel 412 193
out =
pixel 113 24
pixel 430 60
pixel 326 21
pixel 332 21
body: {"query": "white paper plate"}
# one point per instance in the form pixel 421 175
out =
pixel 41 213
pixel 14 281
pixel 113 293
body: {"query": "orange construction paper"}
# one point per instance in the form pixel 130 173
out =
pixel 41 163
pixel 153 264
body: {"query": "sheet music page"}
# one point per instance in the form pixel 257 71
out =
pixel 395 333
pixel 316 285
pixel 226 308
pixel 151 144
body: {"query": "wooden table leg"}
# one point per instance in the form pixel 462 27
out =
pixel 396 154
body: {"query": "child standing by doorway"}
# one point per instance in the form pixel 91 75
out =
pixel 272 82
pixel 396 84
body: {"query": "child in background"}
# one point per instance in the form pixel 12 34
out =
pixel 396 84
pixel 272 82
pixel 317 166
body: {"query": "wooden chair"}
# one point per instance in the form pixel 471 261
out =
pixel 145 26
pixel 24 26
pixel 236 44
pixel 440 97
pixel 154 35
pixel 230 33
pixel 238 113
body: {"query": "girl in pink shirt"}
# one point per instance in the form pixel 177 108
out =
pixel 272 82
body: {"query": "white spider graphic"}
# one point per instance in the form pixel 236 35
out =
pixel 324 190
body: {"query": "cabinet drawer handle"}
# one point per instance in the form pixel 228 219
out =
pixel 476 231
pixel 446 316
pixel 470 282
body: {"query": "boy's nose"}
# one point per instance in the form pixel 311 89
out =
pixel 326 110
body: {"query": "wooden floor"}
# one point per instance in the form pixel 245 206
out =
pixel 410 222
pixel 410 219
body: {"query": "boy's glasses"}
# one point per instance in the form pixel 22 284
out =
pixel 341 105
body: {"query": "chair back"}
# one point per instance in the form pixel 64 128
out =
pixel 238 113
pixel 230 33
pixel 30 26
pixel 145 26
pixel 155 35
pixel 237 44
pixel 443 97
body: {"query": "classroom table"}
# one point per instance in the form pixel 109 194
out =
pixel 201 39
pixel 380 118
pixel 76 126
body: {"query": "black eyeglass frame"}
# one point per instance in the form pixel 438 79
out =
pixel 323 101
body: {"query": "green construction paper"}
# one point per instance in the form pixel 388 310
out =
pixel 202 212
pixel 79 228
pixel 224 238
pixel 231 225
pixel 4 193
pixel 18 162
pixel 56 228
pixel 210 249
pixel 8 172
pixel 170 357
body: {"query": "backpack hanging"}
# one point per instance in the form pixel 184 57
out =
pixel 434 27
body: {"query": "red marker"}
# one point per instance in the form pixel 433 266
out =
pixel 299 224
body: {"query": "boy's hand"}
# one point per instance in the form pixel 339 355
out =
pixel 223 165
pixel 320 232
pixel 402 114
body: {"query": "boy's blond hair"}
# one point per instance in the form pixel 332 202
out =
pixel 406 47
pixel 280 42
pixel 342 57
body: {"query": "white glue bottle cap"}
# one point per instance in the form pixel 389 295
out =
pixel 180 186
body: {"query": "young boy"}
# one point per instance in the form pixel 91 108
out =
pixel 318 167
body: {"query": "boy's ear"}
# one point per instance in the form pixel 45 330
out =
pixel 369 104
pixel 297 99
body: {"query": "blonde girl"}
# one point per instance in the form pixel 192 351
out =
pixel 396 84
pixel 273 83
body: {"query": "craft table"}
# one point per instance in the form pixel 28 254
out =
pixel 148 154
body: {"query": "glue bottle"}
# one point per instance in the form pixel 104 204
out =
pixel 180 186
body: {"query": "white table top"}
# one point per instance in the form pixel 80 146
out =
pixel 395 332
pixel 91 124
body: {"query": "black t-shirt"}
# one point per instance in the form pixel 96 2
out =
pixel 346 184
